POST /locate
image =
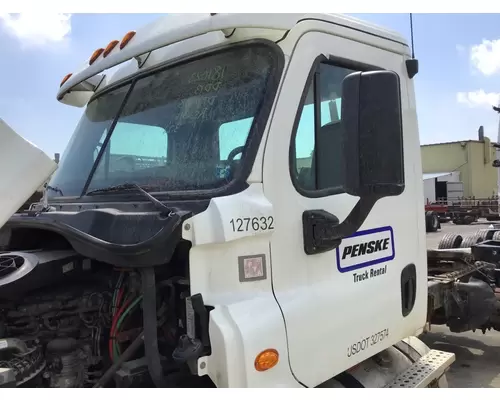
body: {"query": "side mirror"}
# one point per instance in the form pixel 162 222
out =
pixel 373 134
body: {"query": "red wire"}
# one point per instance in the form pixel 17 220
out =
pixel 113 326
pixel 119 298
pixel 115 310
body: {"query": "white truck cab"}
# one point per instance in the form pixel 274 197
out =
pixel 284 150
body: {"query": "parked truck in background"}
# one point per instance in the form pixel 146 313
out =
pixel 181 243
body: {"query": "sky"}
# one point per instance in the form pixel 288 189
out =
pixel 459 78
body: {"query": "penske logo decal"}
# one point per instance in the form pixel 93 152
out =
pixel 366 248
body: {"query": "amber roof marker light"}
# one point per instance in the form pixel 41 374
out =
pixel 126 39
pixel 95 55
pixel 65 79
pixel 110 47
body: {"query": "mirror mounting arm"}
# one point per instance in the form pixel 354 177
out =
pixel 323 232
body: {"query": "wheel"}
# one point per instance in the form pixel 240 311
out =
pixel 431 221
pixel 470 240
pixel 450 241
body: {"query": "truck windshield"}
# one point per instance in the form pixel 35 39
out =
pixel 182 128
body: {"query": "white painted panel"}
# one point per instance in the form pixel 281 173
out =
pixel 429 190
pixel 455 190
pixel 24 169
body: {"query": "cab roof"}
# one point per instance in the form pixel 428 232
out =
pixel 175 28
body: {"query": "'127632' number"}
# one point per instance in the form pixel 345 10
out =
pixel 252 224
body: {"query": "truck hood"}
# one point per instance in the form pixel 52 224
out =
pixel 24 169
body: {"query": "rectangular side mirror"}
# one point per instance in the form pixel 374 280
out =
pixel 373 134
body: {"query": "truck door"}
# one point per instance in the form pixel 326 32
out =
pixel 344 305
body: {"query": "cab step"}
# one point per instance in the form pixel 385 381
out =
pixel 425 370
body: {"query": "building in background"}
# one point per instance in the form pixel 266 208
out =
pixel 496 162
pixel 468 161
pixel 443 186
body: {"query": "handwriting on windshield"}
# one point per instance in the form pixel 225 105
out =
pixel 193 96
pixel 214 74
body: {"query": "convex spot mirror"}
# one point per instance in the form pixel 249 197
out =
pixel 372 134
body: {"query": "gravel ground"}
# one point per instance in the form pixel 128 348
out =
pixel 477 362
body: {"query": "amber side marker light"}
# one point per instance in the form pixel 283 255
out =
pixel 110 47
pixel 65 79
pixel 127 38
pixel 266 359
pixel 95 55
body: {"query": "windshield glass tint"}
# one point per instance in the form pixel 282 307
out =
pixel 184 128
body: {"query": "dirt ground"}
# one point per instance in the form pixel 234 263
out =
pixel 477 362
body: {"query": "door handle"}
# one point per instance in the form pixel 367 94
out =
pixel 408 289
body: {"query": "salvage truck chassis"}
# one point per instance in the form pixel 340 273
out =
pixel 465 211
pixel 464 282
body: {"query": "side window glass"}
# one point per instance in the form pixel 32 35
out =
pixel 305 144
pixel 318 161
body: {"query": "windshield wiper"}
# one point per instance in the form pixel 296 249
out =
pixel 133 186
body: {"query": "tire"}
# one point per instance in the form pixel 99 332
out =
pixel 470 240
pixel 482 234
pixel 469 219
pixel 450 241
pixel 431 221
pixel 490 233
